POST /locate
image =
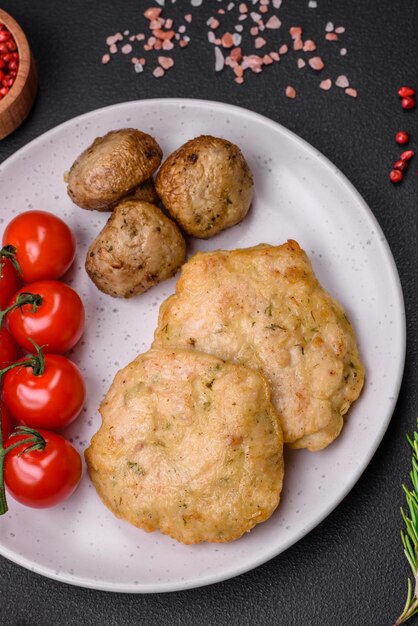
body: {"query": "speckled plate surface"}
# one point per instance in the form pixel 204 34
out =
pixel 300 195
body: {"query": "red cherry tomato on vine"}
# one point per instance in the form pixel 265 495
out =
pixel 8 281
pixel 45 245
pixel 6 421
pixel 42 478
pixel 57 323
pixel 8 348
pixel 49 400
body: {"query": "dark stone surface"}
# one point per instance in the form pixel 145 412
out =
pixel 350 570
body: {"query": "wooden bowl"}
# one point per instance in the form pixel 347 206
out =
pixel 15 106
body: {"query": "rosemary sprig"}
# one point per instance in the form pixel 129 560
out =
pixel 410 535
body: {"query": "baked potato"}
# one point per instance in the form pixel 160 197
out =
pixel 206 186
pixel 138 247
pixel 111 167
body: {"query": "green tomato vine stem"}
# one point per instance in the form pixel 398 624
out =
pixel 23 298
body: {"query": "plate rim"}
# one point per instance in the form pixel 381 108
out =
pixel 213 578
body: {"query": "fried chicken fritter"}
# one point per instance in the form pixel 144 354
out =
pixel 264 307
pixel 189 445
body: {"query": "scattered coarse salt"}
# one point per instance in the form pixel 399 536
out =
pixel 312 4
pixel 153 13
pixel 243 8
pixel 230 6
pixel 273 22
pixel 189 16
pixel 236 37
pixel 343 52
pixel 259 42
pixel 254 31
pixel 342 81
pixel 326 84
pixel 138 68
pixel 105 59
pixel 213 23
pixel 290 92
pixel 267 60
pixel 301 63
pixel 211 36
pixel 167 44
pixel 316 63
pixel 275 56
pixel 283 49
pixel 140 37
pixel 113 48
pixel 166 62
pixel 351 92
pixel 277 4
pixel 329 27
pixel 227 40
pixel 295 32
pixel 219 60
pixel 239 28
pixel 340 30
pixel 309 45
pixel 181 29
pixel 239 80
pixel 158 72
pixel 256 17
pixel 331 37
pixel 298 44
pixel 126 49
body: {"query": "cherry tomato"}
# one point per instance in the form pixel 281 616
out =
pixel 8 281
pixel 42 478
pixel 6 421
pixel 45 245
pixel 49 400
pixel 57 323
pixel 8 348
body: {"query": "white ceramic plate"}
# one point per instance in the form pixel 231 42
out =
pixel 300 195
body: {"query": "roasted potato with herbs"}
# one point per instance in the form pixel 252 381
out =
pixel 206 186
pixel 138 248
pixel 112 167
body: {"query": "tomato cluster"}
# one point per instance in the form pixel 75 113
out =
pixel 42 390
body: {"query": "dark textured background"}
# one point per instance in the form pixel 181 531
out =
pixel 350 570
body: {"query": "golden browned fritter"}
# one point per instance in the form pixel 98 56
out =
pixel 111 167
pixel 189 445
pixel 138 248
pixel 265 308
pixel 206 185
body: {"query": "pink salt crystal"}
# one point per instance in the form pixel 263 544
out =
pixel 151 41
pixel 158 44
pixel 239 28
pixel 182 29
pixel 283 49
pixel 277 4
pixel 309 45
pixel 329 27
pixel 259 42
pixel 298 44
pixel 255 17
pixel 221 11
pixel 243 8
pixel 168 23
pixel 217 42
pixel 351 92
pixel 134 60
pixel 188 17
pixel 227 40
pixel 147 47
pixel 253 61
pixel 343 52
pixel 267 60
pixel 219 60
pixel 301 63
pixel 211 36
pixel 152 13
pixel 316 63
pixel 326 84
pixel 290 92
pixel 275 56
pixel 263 9
pixel 167 44
pixel 105 59
pixel 126 49
pixel 132 38
pixel 140 37
pixel 273 22
pixel 142 61
pixel 213 23
pixel 342 81
pixel 113 48
pixel 340 30
pixel 238 71
pixel 164 34
pixel 239 80
pixel 183 43
pixel 236 54
pixel 158 72
pixel 295 32
pixel 166 62
pixel 254 31
pixel 236 37
pixel 331 37
pixel 154 24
